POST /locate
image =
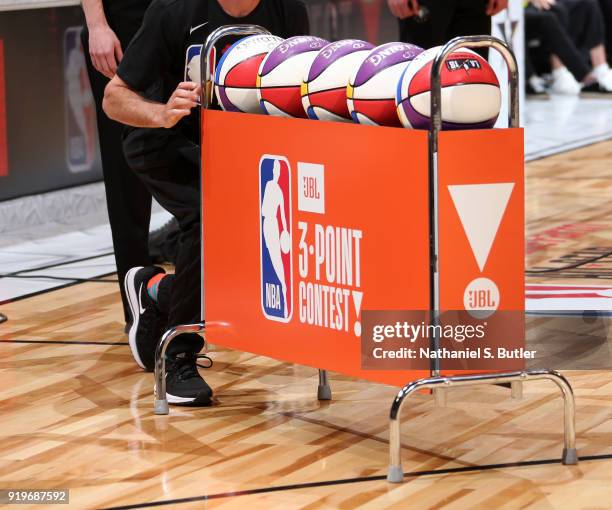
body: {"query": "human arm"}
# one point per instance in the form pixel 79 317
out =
pixel 104 46
pixel 125 105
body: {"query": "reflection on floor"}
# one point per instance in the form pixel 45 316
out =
pixel 61 250
pixel 562 123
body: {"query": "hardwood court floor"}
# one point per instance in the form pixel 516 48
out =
pixel 77 414
pixel 569 215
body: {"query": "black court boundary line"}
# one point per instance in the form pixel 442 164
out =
pixel 61 342
pixel 52 289
pixel 52 266
pixel 56 264
pixel 345 481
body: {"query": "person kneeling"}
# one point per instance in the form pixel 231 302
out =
pixel 155 93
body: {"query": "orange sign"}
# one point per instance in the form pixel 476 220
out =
pixel 307 224
pixel 482 240
pixel 482 234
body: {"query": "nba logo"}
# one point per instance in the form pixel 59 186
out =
pixel 192 62
pixel 79 108
pixel 275 238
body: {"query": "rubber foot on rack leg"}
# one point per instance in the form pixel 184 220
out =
pixel 161 407
pixel 570 456
pixel 324 392
pixel 395 474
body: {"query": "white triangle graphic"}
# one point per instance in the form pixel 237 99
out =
pixel 481 208
pixel 357 297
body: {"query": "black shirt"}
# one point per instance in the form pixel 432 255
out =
pixel 125 8
pixel 125 16
pixel 171 36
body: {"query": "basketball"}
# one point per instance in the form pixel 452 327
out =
pixel 281 73
pixel 371 90
pixel 285 242
pixel 324 86
pixel 236 75
pixel 471 98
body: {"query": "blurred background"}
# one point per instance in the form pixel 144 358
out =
pixel 50 169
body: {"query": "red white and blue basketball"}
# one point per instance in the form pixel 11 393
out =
pixel 236 75
pixel 471 98
pixel 324 87
pixel 371 90
pixel 281 73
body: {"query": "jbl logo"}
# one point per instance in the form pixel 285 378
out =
pixel 481 294
pixel 481 299
pixel 311 188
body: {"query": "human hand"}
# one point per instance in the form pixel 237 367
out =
pixel 183 99
pixel 495 6
pixel 403 9
pixel 105 50
pixel 543 5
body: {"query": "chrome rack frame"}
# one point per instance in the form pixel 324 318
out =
pixel 439 383
pixel 435 382
pixel 569 456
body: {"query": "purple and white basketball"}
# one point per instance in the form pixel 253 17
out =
pixel 236 75
pixel 281 73
pixel 371 90
pixel 324 86
pixel 471 98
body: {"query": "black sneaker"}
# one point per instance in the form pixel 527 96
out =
pixel 147 321
pixel 184 384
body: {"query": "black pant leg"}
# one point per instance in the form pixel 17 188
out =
pixel 606 10
pixel 470 18
pixel 176 186
pixel 432 31
pixel 549 29
pixel 586 27
pixel 529 69
pixel 127 199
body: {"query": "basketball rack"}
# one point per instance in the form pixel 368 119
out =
pixel 437 383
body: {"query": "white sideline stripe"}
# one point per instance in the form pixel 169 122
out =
pixel 60 249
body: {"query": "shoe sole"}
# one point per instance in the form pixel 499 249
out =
pixel 132 295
